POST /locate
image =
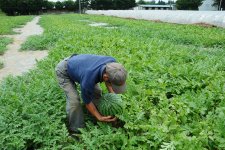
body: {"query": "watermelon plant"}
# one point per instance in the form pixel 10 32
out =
pixel 175 88
pixel 110 104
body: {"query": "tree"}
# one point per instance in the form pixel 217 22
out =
pixel 8 6
pixel 85 4
pixel 34 6
pixel 48 5
pixel 152 2
pixel 112 4
pixel 161 2
pixel 171 2
pixel 59 5
pixel 124 4
pixel 141 2
pixel 69 5
pixel 188 4
pixel 102 4
pixel 21 7
pixel 220 4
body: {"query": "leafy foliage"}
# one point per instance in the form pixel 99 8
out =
pixel 1 13
pixel 220 4
pixel 59 5
pixel 70 5
pixel 167 146
pixel 124 4
pixel 1 64
pixel 188 4
pixel 143 2
pixel 112 4
pixel 21 7
pixel 175 90
pixel 3 43
pixel 8 23
pixel 45 41
pixel 161 2
pixel 42 42
pixel 48 5
pixel 153 2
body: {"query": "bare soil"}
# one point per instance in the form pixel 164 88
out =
pixel 15 61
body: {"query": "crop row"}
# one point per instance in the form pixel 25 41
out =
pixel 175 96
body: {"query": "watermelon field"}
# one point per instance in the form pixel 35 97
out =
pixel 175 95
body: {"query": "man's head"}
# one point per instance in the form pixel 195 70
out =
pixel 116 76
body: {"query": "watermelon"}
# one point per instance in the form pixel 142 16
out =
pixel 110 104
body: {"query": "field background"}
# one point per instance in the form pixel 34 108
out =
pixel 175 96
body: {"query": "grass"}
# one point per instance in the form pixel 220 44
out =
pixel 1 65
pixel 6 27
pixel 1 13
pixel 8 23
pixel 36 42
pixel 42 42
pixel 175 88
pixel 39 42
pixel 3 43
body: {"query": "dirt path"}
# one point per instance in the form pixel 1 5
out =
pixel 15 62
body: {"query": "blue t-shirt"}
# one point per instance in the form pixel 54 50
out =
pixel 87 70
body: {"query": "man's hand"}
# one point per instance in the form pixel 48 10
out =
pixel 92 109
pixel 109 87
pixel 107 118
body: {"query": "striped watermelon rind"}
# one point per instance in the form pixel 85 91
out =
pixel 110 104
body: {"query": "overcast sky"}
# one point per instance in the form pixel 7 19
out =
pixel 136 0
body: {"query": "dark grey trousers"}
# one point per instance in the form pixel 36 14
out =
pixel 73 105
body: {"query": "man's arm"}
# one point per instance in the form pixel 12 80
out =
pixel 92 109
pixel 109 87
